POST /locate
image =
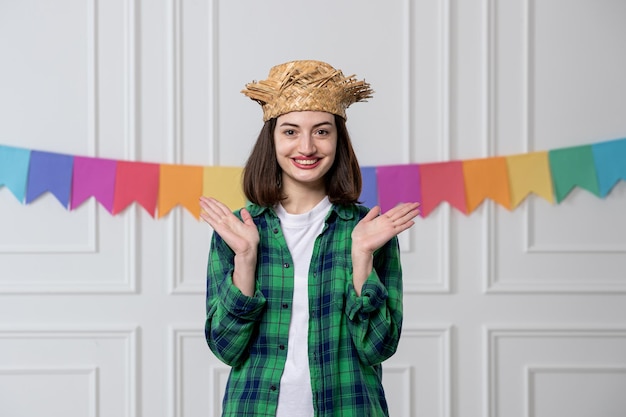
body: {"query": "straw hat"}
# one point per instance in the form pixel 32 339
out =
pixel 306 85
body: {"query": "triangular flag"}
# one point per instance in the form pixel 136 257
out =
pixel 610 162
pixel 486 178
pixel 573 167
pixel 224 184
pixel 93 177
pixel 180 184
pixel 442 181
pixel 398 184
pixel 14 170
pixel 369 191
pixel 50 172
pixel 529 173
pixel 136 181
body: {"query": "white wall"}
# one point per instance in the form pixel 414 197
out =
pixel 508 314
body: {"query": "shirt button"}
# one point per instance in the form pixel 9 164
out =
pixel 273 387
pixel 286 265
pixel 285 305
pixel 281 347
pixel 275 230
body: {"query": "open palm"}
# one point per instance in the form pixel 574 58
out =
pixel 242 236
pixel 373 231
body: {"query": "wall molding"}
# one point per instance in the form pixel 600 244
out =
pixel 492 334
pixel 128 284
pixel 91 374
pixel 532 371
pixel 492 284
pixel 128 334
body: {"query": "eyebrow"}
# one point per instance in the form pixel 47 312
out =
pixel 296 125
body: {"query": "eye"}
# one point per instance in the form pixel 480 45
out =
pixel 322 132
pixel 289 132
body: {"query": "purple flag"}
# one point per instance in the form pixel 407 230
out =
pixel 50 172
pixel 369 192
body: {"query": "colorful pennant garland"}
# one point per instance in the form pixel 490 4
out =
pixel 158 188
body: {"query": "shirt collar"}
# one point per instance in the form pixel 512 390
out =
pixel 344 212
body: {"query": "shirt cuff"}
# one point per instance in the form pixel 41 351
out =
pixel 373 296
pixel 239 304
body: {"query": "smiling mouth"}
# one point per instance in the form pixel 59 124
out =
pixel 306 161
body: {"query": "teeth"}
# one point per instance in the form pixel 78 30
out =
pixel 306 161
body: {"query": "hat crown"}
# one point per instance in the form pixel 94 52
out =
pixel 306 85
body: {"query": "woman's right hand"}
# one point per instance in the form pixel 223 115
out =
pixel 241 236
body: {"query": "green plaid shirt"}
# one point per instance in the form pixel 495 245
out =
pixel 349 336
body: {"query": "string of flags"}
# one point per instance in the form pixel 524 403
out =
pixel 464 184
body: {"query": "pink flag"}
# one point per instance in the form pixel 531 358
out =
pixel 398 184
pixel 93 177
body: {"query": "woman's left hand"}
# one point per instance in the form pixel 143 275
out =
pixel 373 231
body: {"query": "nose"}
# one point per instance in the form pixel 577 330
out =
pixel 306 145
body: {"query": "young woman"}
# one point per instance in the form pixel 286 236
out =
pixel 304 286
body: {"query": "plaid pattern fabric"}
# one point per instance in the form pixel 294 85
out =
pixel 349 335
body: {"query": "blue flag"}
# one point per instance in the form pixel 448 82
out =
pixel 14 170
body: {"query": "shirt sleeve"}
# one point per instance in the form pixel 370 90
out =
pixel 375 317
pixel 231 315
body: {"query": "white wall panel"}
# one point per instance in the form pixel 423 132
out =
pixel 160 81
pixel 96 367
pixel 515 355
pixel 576 391
pixel 196 386
pixel 68 103
pixel 579 245
pixel 417 378
pixel 68 392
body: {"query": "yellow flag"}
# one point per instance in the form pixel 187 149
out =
pixel 529 173
pixel 224 184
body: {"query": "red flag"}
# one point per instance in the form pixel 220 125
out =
pixel 136 181
pixel 442 181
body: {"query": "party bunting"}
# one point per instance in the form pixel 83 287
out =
pixel 93 177
pixel 464 185
pixel 398 184
pixel 180 185
pixel 369 191
pixel 442 181
pixel 136 181
pixel 529 173
pixel 610 162
pixel 486 178
pixel 571 167
pixel 224 184
pixel 50 172
pixel 14 170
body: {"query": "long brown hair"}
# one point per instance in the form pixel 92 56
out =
pixel 262 174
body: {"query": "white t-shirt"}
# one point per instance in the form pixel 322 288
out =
pixel 300 230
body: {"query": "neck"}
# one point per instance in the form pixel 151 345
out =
pixel 301 199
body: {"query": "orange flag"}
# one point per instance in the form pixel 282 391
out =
pixel 529 173
pixel 224 184
pixel 180 184
pixel 486 178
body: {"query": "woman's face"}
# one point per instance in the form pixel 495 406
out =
pixel 306 143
